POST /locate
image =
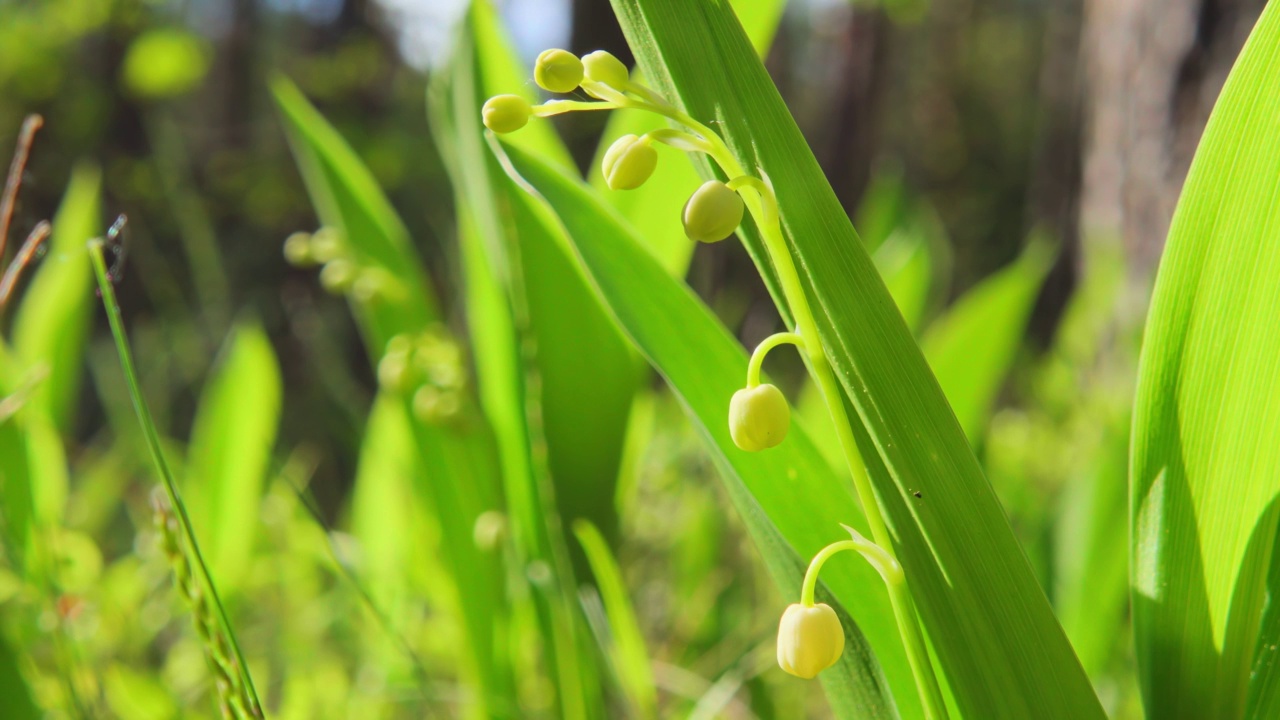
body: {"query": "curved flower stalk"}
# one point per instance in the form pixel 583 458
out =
pixel 810 637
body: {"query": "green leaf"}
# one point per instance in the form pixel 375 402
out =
pixel 646 207
pixel 904 264
pixel 790 500
pixel 348 199
pixel 587 375
pixel 626 650
pixel 13 687
pixel 53 320
pixel 1205 461
pixel 998 644
pixel 513 283
pixel 381 502
pixel 973 345
pixel 501 73
pixel 232 437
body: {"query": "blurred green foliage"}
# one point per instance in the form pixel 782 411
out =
pixel 367 555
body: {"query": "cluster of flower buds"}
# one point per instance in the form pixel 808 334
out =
pixel 340 271
pixel 428 365
pixel 810 636
pixel 713 212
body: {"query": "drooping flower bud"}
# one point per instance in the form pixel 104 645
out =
pixel 712 213
pixel 810 639
pixel 628 162
pixel 602 67
pixel 758 417
pixel 505 113
pixel 338 275
pixel 326 244
pixel 558 71
pixel 394 372
pixel 297 249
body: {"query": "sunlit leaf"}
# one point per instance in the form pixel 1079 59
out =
pixel 231 442
pixel 1205 461
pixel 998 644
pixel 790 500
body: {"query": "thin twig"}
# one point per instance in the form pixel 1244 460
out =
pixel 28 251
pixel 16 168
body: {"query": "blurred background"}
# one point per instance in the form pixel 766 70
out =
pixel 967 127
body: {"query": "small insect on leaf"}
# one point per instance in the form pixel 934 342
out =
pixel 115 246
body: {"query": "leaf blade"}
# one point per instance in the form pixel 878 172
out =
pixel 1205 453
pixel 703 364
pixel 1001 649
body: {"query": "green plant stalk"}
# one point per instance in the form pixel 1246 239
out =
pixel 763 208
pixel 769 343
pixel 157 455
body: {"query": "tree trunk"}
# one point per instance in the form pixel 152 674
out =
pixel 1154 68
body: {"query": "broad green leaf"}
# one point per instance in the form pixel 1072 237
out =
pixel 1205 462
pixel 381 502
pixel 1091 578
pixel 501 73
pixel 972 346
pixel 498 237
pixel 1002 652
pixel 51 324
pixel 646 207
pixel 232 437
pixel 346 197
pixel 1088 375
pixel 15 489
pixel 33 465
pixel 904 264
pixel 627 650
pixel 883 207
pixel 703 364
pixel 13 687
pixel 585 397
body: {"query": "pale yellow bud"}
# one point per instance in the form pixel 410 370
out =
pixel 603 67
pixel 297 249
pixel 558 71
pixel 394 372
pixel 712 213
pixel 505 113
pixel 758 417
pixel 337 276
pixel 810 639
pixel 326 244
pixel 628 162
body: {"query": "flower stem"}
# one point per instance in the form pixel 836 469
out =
pixel 757 357
pixel 762 204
